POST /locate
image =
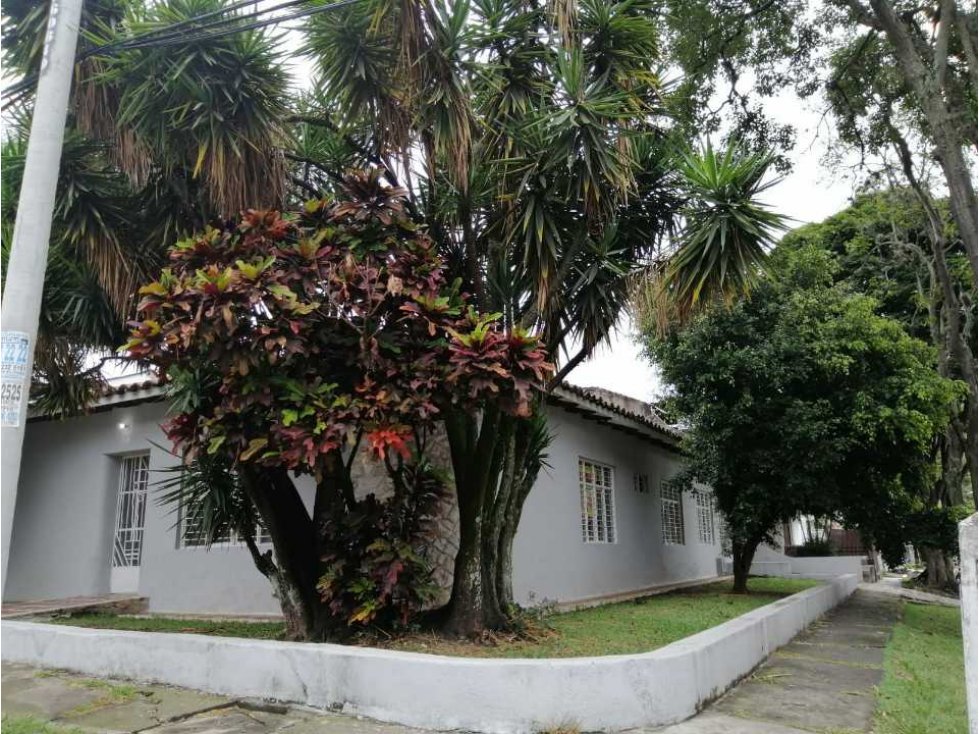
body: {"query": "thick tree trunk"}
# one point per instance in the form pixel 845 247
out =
pixel 744 554
pixel 491 493
pixel 937 566
pixel 294 541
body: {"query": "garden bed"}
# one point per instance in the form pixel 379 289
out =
pixel 627 627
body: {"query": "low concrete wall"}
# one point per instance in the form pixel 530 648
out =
pixel 772 563
pixel 970 621
pixel 498 696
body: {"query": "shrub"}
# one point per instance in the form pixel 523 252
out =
pixel 375 570
pixel 815 547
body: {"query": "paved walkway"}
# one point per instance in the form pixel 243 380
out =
pixel 823 681
pixel 892 585
pixel 118 603
pixel 78 704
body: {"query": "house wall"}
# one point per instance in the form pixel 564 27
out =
pixel 65 519
pixel 66 501
pixel 65 515
pixel 552 562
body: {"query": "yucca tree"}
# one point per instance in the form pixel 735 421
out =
pixel 533 140
pixel 727 231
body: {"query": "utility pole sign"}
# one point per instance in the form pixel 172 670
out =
pixel 14 350
pixel 29 251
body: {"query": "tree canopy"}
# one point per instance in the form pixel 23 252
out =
pixel 803 400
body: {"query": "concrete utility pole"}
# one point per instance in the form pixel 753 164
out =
pixel 29 253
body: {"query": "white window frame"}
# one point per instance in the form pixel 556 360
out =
pixel 705 517
pixel 671 515
pixel 232 540
pixel 597 502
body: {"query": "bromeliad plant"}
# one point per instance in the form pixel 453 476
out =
pixel 293 338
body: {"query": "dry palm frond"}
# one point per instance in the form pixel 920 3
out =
pixel 565 17
pixel 96 105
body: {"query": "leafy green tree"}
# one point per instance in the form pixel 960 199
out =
pixel 291 340
pixel 802 400
pixel 885 247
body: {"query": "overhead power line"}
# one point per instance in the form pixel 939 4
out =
pixel 216 24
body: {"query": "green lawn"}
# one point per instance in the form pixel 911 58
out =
pixel 219 627
pixel 30 725
pixel 625 627
pixel 923 690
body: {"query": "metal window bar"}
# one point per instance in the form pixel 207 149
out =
pixel 127 545
pixel 705 517
pixel 671 514
pixel 192 533
pixel 597 502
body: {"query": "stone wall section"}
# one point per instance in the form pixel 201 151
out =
pixel 369 475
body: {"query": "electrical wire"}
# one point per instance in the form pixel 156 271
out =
pixel 169 35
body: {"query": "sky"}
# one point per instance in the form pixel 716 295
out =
pixel 810 193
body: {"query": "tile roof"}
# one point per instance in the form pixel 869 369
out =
pixel 581 399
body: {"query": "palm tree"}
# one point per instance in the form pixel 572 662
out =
pixel 532 139
pixel 720 252
pixel 163 137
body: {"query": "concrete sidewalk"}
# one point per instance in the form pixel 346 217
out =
pixel 76 705
pixel 822 681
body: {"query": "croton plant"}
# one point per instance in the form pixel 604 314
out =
pixel 303 331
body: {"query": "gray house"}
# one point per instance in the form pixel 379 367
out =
pixel 599 524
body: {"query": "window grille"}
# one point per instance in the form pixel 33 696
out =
pixel 597 506
pixel 192 533
pixel 127 544
pixel 671 512
pixel 705 517
pixel 640 483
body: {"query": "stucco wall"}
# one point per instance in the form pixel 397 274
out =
pixel 551 562
pixel 65 511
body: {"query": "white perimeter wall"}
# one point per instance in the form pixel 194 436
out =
pixel 497 696
pixel 550 559
pixel 970 621
pixel 65 517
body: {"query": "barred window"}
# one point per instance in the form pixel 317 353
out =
pixel 597 506
pixel 192 533
pixel 705 517
pixel 671 511
pixel 640 483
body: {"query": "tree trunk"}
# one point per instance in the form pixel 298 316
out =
pixel 744 554
pixel 294 541
pixel 491 492
pixel 923 82
pixel 936 568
